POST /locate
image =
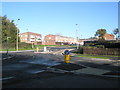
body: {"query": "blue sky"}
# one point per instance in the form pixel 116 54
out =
pixel 62 17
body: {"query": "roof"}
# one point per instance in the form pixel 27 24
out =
pixel 109 35
pixel 32 33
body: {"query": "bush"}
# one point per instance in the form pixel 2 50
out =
pixel 80 50
pixel 21 45
pixel 105 43
pixel 100 46
pixel 25 45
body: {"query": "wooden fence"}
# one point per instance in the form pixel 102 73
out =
pixel 102 51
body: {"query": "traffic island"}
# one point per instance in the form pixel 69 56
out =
pixel 68 66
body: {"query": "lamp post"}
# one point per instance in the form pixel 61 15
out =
pixel 17 39
pixel 7 45
pixel 77 35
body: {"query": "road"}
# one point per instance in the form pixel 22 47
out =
pixel 29 70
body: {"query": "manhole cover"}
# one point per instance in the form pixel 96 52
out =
pixel 68 67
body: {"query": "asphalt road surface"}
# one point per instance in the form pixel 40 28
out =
pixel 29 70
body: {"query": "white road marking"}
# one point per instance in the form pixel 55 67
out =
pixel 6 78
pixel 35 72
pixel 7 58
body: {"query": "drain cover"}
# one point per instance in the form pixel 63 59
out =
pixel 68 67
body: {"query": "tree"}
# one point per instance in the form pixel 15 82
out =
pixel 116 31
pixel 100 33
pixel 9 29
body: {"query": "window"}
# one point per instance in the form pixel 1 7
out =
pixel 25 35
pixel 49 37
pixel 39 38
pixel 32 36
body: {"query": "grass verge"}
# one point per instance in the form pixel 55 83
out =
pixel 96 56
pixel 19 49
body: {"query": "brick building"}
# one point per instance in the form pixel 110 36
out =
pixel 108 37
pixel 58 40
pixel 30 37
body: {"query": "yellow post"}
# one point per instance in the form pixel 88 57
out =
pixel 37 49
pixel 67 58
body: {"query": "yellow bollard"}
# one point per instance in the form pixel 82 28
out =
pixel 67 58
pixel 37 49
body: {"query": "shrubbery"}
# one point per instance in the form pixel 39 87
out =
pixel 21 45
pixel 25 45
pixel 100 46
pixel 80 50
pixel 103 44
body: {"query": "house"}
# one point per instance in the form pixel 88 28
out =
pixel 81 41
pixel 108 36
pixel 51 39
pixel 30 37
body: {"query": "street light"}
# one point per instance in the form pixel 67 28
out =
pixel 77 36
pixel 7 45
pixel 17 39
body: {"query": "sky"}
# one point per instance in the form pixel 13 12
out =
pixel 60 0
pixel 61 17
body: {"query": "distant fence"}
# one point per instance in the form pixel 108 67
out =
pixel 106 44
pixel 102 51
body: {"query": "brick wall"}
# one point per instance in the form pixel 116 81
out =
pixel 49 39
pixel 58 40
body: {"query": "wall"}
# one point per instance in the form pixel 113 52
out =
pixel 49 39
